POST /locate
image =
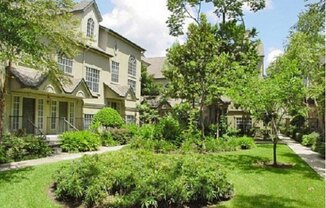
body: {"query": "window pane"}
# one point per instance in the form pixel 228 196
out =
pixel 132 66
pixel 93 79
pixel 115 72
pixel 65 64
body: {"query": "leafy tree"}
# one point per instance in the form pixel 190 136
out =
pixel 195 73
pixel 147 115
pixel 230 60
pixel 148 86
pixel 306 46
pixel 273 97
pixel 31 33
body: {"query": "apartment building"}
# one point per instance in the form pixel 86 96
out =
pixel 105 73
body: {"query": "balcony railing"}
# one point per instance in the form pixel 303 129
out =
pixel 47 125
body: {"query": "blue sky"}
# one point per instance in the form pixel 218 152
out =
pixel 143 22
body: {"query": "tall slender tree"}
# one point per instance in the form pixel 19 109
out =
pixel 31 32
pixel 235 49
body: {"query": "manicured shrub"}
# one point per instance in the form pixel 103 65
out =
pixel 80 141
pixel 245 142
pixel 157 146
pixel 168 129
pixel 146 131
pixel 310 140
pixel 143 179
pixel 122 136
pixel 108 117
pixel 107 139
pixel 23 148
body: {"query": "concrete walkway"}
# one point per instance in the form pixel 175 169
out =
pixel 55 158
pixel 312 158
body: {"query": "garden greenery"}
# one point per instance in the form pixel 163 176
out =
pixel 108 117
pixel 142 179
pixel 14 148
pixel 79 141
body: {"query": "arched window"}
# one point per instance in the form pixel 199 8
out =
pixel 90 27
pixel 132 66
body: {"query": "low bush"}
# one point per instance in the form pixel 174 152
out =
pixel 142 179
pixel 310 140
pixel 14 148
pixel 108 117
pixel 168 129
pixel 122 136
pixel 157 146
pixel 80 141
pixel 107 139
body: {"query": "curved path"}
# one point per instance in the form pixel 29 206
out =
pixel 55 158
pixel 312 158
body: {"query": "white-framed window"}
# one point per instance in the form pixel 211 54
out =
pixel 15 112
pixel 40 119
pixel 115 72
pixel 130 119
pixel 244 123
pixel 93 78
pixel 72 113
pixel 90 28
pixel 53 114
pixel 132 66
pixel 132 84
pixel 65 64
pixel 88 120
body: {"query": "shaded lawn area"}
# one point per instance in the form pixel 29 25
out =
pixel 270 187
pixel 254 186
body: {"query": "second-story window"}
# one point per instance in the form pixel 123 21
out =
pixel 93 78
pixel 115 72
pixel 65 64
pixel 132 84
pixel 90 28
pixel 132 66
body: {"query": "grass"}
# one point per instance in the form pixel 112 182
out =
pixel 255 186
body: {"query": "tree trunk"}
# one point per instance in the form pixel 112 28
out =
pixel 274 152
pixel 202 125
pixel 217 122
pixel 275 140
pixel 3 92
pixel 2 109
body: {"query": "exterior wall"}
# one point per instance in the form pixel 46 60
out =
pixel 121 50
pixel 83 17
pixel 73 115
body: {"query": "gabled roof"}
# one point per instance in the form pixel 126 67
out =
pixel 71 87
pixel 112 32
pixel 84 5
pixel 29 78
pixel 156 66
pixel 120 90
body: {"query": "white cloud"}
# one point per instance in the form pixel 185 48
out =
pixel 273 53
pixel 143 22
pixel 268 5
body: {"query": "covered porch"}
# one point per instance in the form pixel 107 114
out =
pixel 44 106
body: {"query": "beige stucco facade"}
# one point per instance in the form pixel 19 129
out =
pixel 52 107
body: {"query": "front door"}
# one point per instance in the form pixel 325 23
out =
pixel 28 115
pixel 63 115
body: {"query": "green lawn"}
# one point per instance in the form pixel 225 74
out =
pixel 254 186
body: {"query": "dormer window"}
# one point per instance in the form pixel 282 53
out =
pixel 90 28
pixel 132 66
